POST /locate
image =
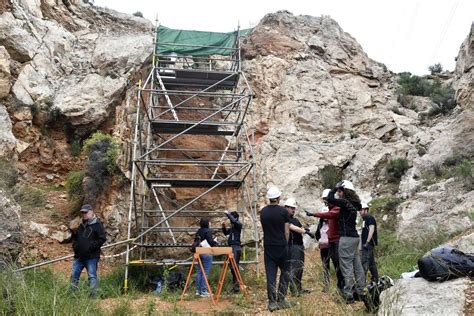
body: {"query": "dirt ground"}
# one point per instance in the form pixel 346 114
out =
pixel 314 303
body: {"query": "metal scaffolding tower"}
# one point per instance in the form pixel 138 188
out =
pixel 193 154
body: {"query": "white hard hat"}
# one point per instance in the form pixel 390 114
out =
pixel 346 184
pixel 364 205
pixel 273 193
pixel 325 193
pixel 291 202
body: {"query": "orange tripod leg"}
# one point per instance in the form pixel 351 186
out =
pixel 187 279
pixel 222 278
pixel 239 277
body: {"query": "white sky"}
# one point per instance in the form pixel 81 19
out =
pixel 405 35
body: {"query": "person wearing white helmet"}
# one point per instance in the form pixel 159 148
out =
pixel 369 241
pixel 349 259
pixel 296 249
pixel 275 222
pixel 331 252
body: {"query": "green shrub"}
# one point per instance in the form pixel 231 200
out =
pixel 8 175
pixel 330 175
pixel 138 13
pixel 442 96
pixel 105 146
pixel 464 172
pixel 76 147
pixel 435 69
pixel 395 169
pixel 29 197
pixel 74 186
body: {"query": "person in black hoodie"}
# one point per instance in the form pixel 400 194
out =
pixel 205 234
pixel 86 244
pixel 349 259
pixel 234 241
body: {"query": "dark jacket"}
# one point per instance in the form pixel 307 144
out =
pixel 347 215
pixel 88 239
pixel 333 222
pixel 206 234
pixel 234 231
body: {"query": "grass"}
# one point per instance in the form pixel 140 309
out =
pixel 29 197
pixel 8 175
pixel 41 292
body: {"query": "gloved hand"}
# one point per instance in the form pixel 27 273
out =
pixel 308 213
pixel 365 246
pixel 307 232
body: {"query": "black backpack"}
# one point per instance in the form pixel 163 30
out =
pixel 374 289
pixel 445 263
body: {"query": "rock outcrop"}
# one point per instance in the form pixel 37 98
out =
pixel 321 101
pixel 76 59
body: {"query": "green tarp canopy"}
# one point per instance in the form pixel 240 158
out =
pixel 166 38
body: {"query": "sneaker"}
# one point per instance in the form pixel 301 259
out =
pixel 273 306
pixel 285 304
pixel 197 293
pixel 204 294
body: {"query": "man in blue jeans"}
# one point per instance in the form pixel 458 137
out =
pixel 86 244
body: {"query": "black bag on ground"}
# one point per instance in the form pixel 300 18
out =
pixel 374 289
pixel 175 280
pixel 445 263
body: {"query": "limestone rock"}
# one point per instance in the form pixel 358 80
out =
pixel 424 214
pixel 88 102
pixel 10 230
pixel 7 140
pixel 464 72
pixel 5 76
pixel 420 297
pixel 20 44
pixel 41 229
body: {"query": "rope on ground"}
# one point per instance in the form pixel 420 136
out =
pixel 120 254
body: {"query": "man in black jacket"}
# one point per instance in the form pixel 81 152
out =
pixel 275 222
pixel 86 244
pixel 234 241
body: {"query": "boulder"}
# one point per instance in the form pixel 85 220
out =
pixel 420 297
pixel 5 76
pixel 88 102
pixel 7 140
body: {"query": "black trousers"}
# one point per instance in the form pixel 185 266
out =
pixel 368 262
pixel 334 255
pixel 276 257
pixel 237 252
pixel 296 266
pixel 324 252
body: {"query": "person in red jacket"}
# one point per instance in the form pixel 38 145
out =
pixel 332 217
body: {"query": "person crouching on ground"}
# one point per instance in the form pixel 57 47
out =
pixel 332 217
pixel 205 235
pixel 275 222
pixel 369 241
pixel 349 259
pixel 86 244
pixel 296 249
pixel 234 241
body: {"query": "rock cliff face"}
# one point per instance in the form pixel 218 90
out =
pixel 321 107
pixel 64 67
